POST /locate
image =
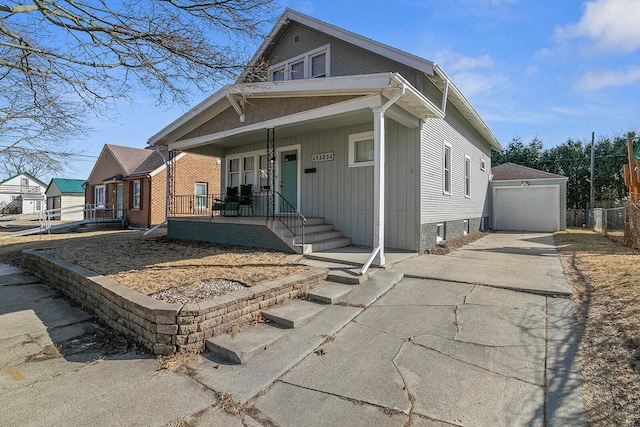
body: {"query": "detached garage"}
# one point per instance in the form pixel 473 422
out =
pixel 527 199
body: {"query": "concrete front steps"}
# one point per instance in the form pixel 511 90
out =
pixel 254 339
pixel 259 354
pixel 318 236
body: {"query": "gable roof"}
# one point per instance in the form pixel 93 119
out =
pixel 27 174
pixel 68 186
pixel 355 39
pixel 153 162
pixel 129 158
pixel 432 71
pixel 512 171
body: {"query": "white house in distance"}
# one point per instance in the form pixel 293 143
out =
pixel 24 193
pixel 68 196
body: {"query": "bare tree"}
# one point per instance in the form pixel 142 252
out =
pixel 60 60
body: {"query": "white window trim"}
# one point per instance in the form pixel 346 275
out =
pixel 356 137
pixel 306 58
pixel 444 171
pixel 467 189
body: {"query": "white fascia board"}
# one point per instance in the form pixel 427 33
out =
pixel 464 104
pixel 329 110
pixel 413 95
pixel 392 53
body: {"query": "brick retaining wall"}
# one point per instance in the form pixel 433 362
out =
pixel 161 327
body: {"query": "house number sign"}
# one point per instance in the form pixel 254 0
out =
pixel 322 157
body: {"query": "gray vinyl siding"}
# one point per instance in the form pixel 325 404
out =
pixel 464 140
pixel 343 196
pixel 345 58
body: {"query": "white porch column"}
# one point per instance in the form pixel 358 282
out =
pixel 378 178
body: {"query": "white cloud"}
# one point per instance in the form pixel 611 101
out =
pixel 454 62
pixel 594 80
pixel 473 75
pixel 607 25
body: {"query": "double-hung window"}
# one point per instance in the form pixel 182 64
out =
pixel 136 194
pixel 446 170
pixel 201 195
pixel 249 170
pixel 467 176
pixel 234 173
pixel 264 181
pixel 311 65
pixel 100 196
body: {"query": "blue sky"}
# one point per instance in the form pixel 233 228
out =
pixel 555 69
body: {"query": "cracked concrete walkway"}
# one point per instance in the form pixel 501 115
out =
pixel 441 353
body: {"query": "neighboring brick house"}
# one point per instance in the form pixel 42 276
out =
pixel 131 182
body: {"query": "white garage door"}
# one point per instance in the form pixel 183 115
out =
pixel 533 208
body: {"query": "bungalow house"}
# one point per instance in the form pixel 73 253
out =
pixel 22 193
pixel 334 128
pixel 66 198
pixel 131 183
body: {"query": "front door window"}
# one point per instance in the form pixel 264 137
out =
pixel 289 177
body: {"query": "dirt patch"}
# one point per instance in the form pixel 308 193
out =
pixel 604 277
pixel 453 244
pixel 156 263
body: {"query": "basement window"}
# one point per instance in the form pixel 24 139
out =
pixel 440 233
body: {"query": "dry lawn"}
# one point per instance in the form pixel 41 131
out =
pixel 151 264
pixel 605 277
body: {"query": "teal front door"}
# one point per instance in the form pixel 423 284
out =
pixel 289 177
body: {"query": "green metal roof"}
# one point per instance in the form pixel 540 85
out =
pixel 69 186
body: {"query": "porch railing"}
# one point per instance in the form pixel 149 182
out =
pixel 258 206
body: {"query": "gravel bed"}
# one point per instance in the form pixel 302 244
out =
pixel 198 291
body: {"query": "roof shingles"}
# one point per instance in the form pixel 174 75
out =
pixel 509 171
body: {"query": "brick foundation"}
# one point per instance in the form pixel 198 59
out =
pixel 161 327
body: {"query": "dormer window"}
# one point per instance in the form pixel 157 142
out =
pixel 311 65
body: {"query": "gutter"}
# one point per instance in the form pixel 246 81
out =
pixel 378 204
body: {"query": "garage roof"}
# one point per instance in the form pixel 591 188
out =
pixel 509 171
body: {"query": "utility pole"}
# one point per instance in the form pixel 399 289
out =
pixel 592 194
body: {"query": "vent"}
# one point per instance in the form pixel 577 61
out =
pixel 296 38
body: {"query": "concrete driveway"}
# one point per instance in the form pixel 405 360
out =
pixel 512 260
pixel 480 337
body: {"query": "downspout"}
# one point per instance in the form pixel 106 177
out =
pixel 166 204
pixel 378 203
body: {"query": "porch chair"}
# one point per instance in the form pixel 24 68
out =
pixel 246 196
pixel 230 204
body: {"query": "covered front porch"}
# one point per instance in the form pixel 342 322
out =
pixel 296 151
